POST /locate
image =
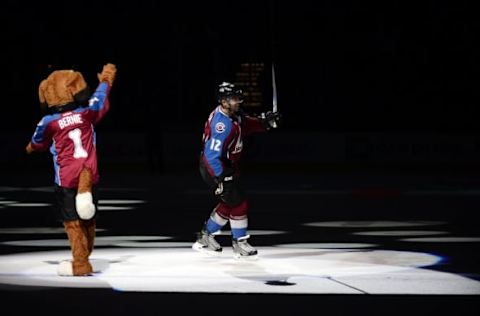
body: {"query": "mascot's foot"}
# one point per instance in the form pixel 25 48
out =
pixel 65 268
pixel 85 206
pixel 83 269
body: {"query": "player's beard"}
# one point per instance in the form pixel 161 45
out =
pixel 234 109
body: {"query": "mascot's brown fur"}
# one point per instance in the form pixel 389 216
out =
pixel 62 92
pixel 61 87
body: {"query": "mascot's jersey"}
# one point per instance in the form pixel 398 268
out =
pixel 71 137
pixel 222 141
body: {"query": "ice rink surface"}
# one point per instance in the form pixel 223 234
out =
pixel 317 247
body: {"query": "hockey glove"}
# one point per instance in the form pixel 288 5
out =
pixel 271 119
pixel 220 181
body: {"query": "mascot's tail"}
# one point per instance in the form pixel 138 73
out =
pixel 84 198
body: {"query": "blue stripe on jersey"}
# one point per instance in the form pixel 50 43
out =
pixel 96 102
pixel 220 128
pixel 41 126
pixel 56 167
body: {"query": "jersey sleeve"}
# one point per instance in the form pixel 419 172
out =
pixel 251 125
pixel 42 137
pixel 98 105
pixel 217 145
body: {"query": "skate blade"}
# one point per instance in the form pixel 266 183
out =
pixel 200 248
pixel 239 257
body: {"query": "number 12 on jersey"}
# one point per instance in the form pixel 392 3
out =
pixel 215 144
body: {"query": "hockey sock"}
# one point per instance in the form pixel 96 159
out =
pixel 215 223
pixel 239 227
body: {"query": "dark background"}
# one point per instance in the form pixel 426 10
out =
pixel 341 65
pixel 344 67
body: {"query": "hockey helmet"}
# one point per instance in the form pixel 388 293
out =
pixel 227 90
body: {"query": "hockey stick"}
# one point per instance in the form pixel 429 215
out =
pixel 274 86
pixel 272 46
pixel 274 97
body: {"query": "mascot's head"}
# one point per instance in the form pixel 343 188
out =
pixel 63 89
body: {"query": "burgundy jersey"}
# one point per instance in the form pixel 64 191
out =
pixel 222 141
pixel 71 137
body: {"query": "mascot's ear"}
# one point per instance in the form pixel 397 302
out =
pixel 41 96
pixel 75 83
pixel 78 88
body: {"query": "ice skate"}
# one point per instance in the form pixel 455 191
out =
pixel 242 250
pixel 206 243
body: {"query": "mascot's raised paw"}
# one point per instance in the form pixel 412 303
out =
pixel 108 74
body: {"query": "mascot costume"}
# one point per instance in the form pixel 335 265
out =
pixel 67 129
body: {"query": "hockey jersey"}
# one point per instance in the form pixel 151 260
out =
pixel 222 141
pixel 71 137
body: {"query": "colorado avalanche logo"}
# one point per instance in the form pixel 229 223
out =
pixel 220 127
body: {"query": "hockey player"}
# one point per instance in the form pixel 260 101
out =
pixel 219 168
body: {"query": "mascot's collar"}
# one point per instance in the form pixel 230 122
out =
pixel 64 108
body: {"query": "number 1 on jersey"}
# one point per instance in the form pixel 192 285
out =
pixel 76 136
